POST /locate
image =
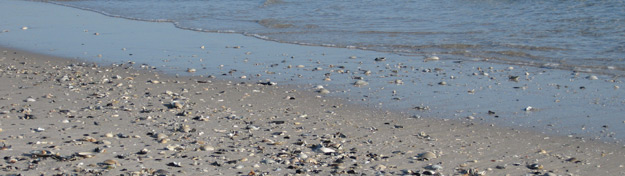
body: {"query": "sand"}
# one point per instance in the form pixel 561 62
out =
pixel 62 116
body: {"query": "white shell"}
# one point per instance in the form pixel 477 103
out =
pixel 361 83
pixel 325 150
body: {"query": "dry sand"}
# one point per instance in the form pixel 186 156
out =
pixel 61 116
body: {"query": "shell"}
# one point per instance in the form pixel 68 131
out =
pixel 207 148
pixel 176 104
pixel 89 139
pixel 87 154
pixel 535 166
pixel 110 162
pixel 361 83
pixel 325 150
pixel 427 156
pixel 160 136
pixel 185 128
pixel 431 58
pixel 324 91
pixel 310 161
pixel 143 151
pixel 41 153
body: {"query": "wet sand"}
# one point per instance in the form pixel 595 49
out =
pixel 67 116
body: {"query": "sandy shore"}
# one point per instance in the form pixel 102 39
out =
pixel 578 102
pixel 61 116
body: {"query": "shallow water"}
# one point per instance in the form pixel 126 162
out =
pixel 574 35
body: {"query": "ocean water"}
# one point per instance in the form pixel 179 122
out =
pixel 586 36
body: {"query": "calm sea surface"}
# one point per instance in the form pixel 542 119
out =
pixel 574 35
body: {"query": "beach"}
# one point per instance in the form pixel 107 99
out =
pixel 87 94
pixel 64 116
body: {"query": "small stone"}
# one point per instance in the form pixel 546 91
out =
pixel 191 70
pixel 529 108
pixel 25 28
pixel 109 135
pixel 30 100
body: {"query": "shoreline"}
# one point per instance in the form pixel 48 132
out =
pixel 94 116
pixel 563 103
